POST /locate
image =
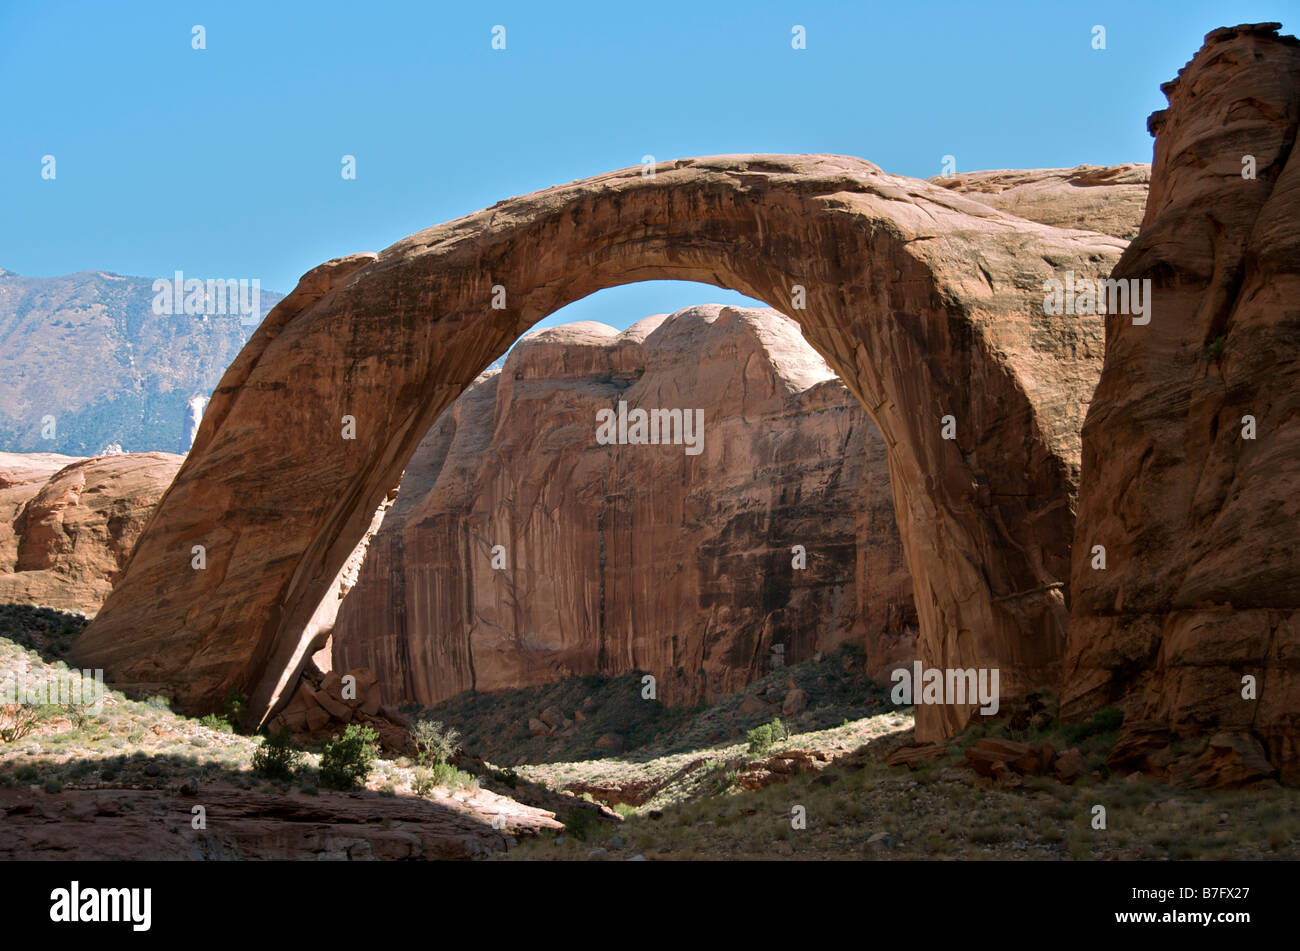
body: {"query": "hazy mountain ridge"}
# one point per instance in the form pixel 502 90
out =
pixel 88 350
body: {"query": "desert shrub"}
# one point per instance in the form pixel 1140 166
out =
pixel 346 762
pixel 434 742
pixel 507 776
pixel 763 738
pixel 423 782
pixel 235 708
pixel 214 722
pixel 276 758
pixel 19 719
pixel 580 823
pixel 1106 720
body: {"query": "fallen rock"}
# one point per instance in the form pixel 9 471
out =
pixel 795 702
pixel 1233 761
pixel 880 842
pixel 914 756
pixel 1070 765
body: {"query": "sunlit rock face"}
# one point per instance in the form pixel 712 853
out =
pixel 1191 448
pixel 678 559
pixel 67 525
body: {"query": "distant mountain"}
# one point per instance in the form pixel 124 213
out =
pixel 88 350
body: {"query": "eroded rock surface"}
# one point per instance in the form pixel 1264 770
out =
pixel 114 824
pixel 636 557
pixel 67 525
pixel 1106 198
pixel 1201 585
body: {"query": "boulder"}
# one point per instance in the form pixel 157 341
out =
pixel 1069 766
pixel 795 702
pixel 1233 761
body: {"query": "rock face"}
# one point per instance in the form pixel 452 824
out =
pixel 927 304
pixel 1110 199
pixel 623 557
pixel 1197 511
pixel 110 369
pixel 117 824
pixel 67 525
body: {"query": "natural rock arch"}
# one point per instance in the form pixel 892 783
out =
pixel 925 302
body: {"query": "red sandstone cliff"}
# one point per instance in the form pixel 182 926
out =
pixel 625 556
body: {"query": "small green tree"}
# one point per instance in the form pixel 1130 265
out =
pixel 763 738
pixel 276 757
pixel 759 739
pixel 236 706
pixel 346 761
pixel 19 719
pixel 434 743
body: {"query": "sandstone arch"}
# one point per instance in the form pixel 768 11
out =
pixel 925 302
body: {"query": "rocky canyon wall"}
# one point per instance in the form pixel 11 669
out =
pixel 1190 481
pixel 621 557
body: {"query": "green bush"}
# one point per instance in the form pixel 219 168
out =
pixel 507 776
pixel 276 758
pixel 580 823
pixel 214 722
pixel 763 738
pixel 236 707
pixel 423 782
pixel 346 761
pixel 440 774
pixel 434 742
pixel 1106 720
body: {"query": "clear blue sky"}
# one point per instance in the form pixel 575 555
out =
pixel 226 162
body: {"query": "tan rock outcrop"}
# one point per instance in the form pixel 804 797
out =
pixel 67 525
pixel 1201 584
pixel 636 557
pixel 120 824
pixel 926 303
pixel 1106 198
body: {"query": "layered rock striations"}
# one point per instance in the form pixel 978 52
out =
pixel 620 557
pixel 1191 447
